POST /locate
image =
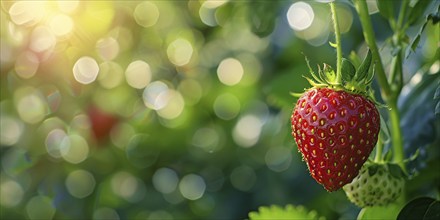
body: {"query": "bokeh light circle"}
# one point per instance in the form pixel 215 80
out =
pixel 180 52
pixel 54 143
pixel 11 130
pixel 174 104
pixel 152 95
pixel 110 74
pixel 27 12
pixel 30 105
pixel 42 39
pixel 246 132
pixel 11 193
pixel 278 158
pixel 76 149
pixel 108 48
pixel 61 24
pixel 26 64
pixel 227 106
pixel 243 178
pixel 80 183
pixel 230 71
pixel 40 207
pixel 300 16
pixel 127 186
pixel 192 186
pixel 85 70
pixel 146 14
pixel 206 138
pixel 165 180
pixel 138 74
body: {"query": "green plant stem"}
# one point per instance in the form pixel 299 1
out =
pixel 338 42
pixel 396 134
pixel 402 12
pixel 361 8
pixel 387 93
pixel 379 150
pixel 396 77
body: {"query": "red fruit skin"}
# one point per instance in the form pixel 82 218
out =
pixel 335 132
pixel 101 122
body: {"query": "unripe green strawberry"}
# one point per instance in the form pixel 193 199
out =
pixel 375 185
pixel 335 131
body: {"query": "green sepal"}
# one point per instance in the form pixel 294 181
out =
pixel 395 170
pixel 370 75
pixel 313 83
pixel 412 157
pixel 334 45
pixel 372 169
pixel 312 72
pixel 364 67
pixel 328 75
pixel 347 70
pixel 296 95
pixel 354 58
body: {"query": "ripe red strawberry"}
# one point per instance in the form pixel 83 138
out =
pixel 336 126
pixel 101 122
pixel 335 132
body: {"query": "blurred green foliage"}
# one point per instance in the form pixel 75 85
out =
pixel 175 109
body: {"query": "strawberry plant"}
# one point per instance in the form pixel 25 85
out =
pixel 336 143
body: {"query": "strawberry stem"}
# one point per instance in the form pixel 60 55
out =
pixel 338 42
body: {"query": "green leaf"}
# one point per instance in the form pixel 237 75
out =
pixel 334 45
pixel 437 108
pixel 262 16
pixel 416 40
pixel 288 212
pixel 386 8
pixel 417 11
pixel 437 92
pixel 415 43
pixel 380 212
pixel 347 70
pixel 364 67
pixel 420 125
pixel 421 208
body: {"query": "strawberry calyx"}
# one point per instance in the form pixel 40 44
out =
pixel 349 79
pixel 394 169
